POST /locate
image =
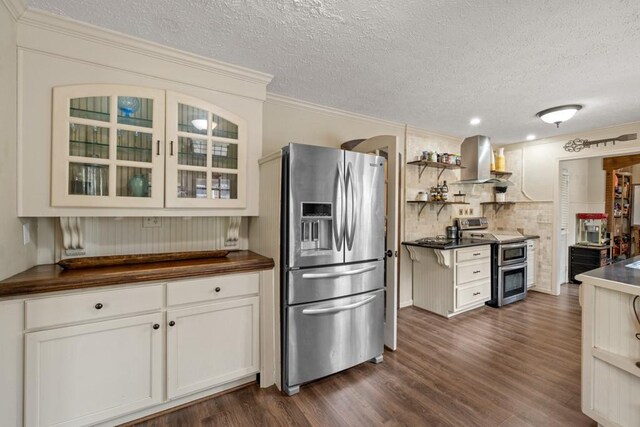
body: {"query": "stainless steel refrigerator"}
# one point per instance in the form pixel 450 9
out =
pixel 332 268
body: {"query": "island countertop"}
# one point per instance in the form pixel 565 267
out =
pixel 52 277
pixel 615 276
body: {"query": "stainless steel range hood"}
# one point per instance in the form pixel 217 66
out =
pixel 476 159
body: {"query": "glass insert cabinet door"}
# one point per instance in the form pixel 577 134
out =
pixel 205 164
pixel 108 146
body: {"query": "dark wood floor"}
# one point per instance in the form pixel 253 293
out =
pixel 514 366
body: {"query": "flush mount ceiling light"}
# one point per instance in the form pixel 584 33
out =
pixel 559 114
pixel 531 137
pixel 201 124
pixel 475 121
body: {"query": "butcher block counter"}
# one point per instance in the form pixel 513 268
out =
pixel 51 277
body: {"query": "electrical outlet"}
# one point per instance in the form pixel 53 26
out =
pixel 151 222
pixel 460 212
pixel 471 211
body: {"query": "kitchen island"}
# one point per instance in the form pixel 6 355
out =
pixel 611 344
pixel 452 278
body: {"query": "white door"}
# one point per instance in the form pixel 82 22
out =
pixel 388 146
pixel 563 244
pixel 211 345
pixel 79 375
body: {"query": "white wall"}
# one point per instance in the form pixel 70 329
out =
pixel 539 156
pixel 287 120
pixel 14 255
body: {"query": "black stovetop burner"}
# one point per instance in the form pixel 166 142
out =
pixel 438 240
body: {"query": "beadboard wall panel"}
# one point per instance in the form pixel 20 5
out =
pixel 122 236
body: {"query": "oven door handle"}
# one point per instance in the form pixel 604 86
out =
pixel 514 245
pixel 339 308
pixel 514 267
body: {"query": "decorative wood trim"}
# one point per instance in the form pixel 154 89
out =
pixel 15 7
pixel 619 162
pixel 80 30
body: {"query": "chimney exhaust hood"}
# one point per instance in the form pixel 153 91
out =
pixel 476 155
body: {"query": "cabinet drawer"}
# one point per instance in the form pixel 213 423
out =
pixel 88 306
pixel 212 288
pixel 473 294
pixel 468 272
pixel 476 252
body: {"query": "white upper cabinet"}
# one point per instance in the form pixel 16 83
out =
pixel 93 151
pixel 206 159
pixel 107 146
pixel 116 146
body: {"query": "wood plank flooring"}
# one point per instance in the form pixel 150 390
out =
pixel 514 366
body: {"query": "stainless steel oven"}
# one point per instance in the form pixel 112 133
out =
pixel 512 283
pixel 512 253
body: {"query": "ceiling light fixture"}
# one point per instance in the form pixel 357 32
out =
pixel 475 121
pixel 531 137
pixel 201 124
pixel 559 114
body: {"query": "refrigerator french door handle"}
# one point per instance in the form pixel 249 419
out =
pixel 351 228
pixel 339 216
pixel 337 309
pixel 338 274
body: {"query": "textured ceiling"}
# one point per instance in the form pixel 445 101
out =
pixel 431 64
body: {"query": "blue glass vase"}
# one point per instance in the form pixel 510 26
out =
pixel 128 105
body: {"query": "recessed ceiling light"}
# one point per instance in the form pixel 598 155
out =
pixel 474 121
pixel 559 114
pixel 531 137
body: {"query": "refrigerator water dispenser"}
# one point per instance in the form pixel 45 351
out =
pixel 315 231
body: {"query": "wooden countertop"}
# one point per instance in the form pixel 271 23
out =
pixel 52 277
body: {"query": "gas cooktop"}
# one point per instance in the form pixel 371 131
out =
pixel 438 240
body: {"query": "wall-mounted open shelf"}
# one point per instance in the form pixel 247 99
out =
pixel 441 204
pixel 501 174
pixel 423 164
pixel 496 205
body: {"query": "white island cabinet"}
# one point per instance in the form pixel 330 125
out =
pixel 611 344
pixel 452 281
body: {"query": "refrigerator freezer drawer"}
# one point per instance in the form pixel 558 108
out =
pixel 316 284
pixel 331 336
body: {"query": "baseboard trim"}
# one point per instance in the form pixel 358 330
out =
pixel 404 304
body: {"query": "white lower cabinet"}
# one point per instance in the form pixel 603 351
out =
pixel 211 344
pixel 450 282
pixel 91 357
pixel 531 263
pixel 78 375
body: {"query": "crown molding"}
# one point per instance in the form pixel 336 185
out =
pixel 81 30
pixel 286 101
pixel 15 7
pixel 416 131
